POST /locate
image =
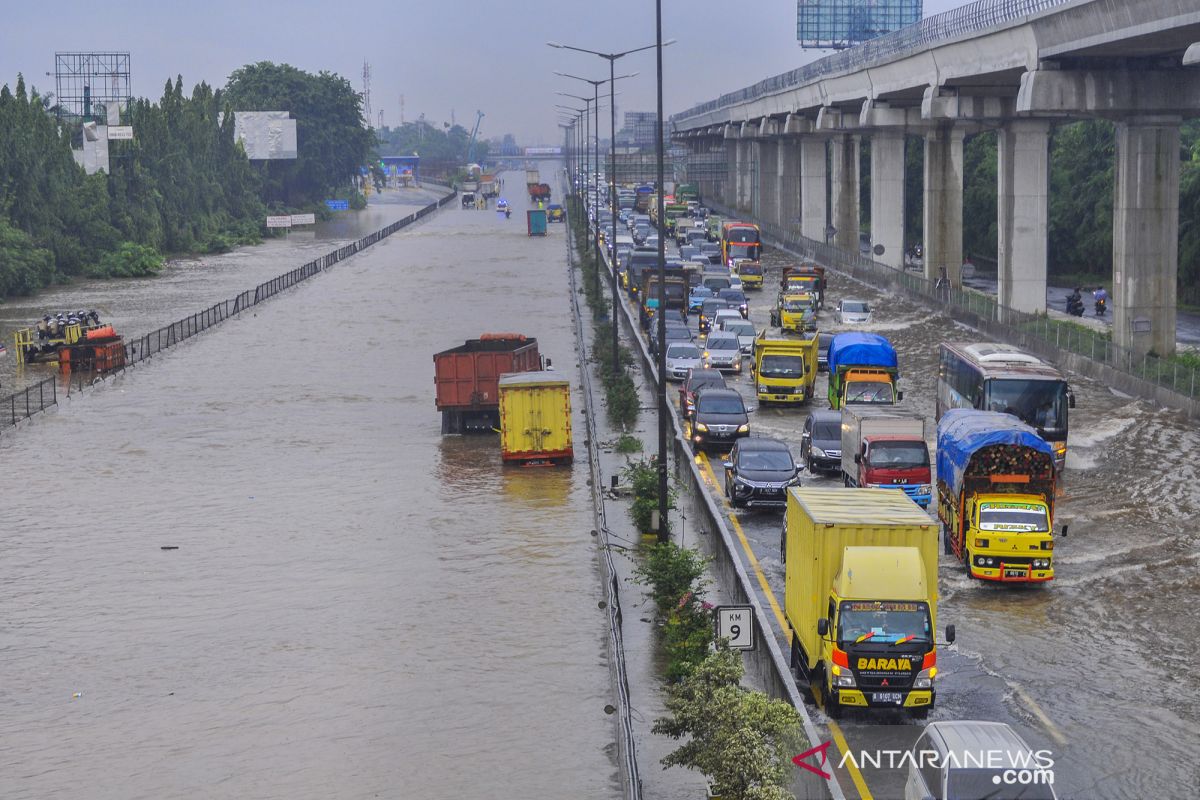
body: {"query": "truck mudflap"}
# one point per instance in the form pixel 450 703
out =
pixel 874 698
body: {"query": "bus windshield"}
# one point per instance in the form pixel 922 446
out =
pixel 1040 403
pixel 742 236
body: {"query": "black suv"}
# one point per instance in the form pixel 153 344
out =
pixel 821 441
pixel 696 380
pixel 758 473
pixel 719 418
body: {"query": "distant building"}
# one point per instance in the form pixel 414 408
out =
pixel 638 130
pixel 838 24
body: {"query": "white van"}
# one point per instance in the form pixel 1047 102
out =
pixel 966 760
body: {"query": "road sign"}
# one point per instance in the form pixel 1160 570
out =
pixel 304 219
pixel 337 205
pixel 282 221
pixel 120 132
pixel 736 623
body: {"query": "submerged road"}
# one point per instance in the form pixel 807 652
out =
pixel 1095 666
pixel 358 607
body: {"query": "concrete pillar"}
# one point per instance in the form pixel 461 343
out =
pixel 1023 190
pixel 789 187
pixel 812 187
pixel 1146 234
pixel 943 208
pixel 729 187
pixel 887 196
pixel 753 179
pixel 768 180
pixel 843 184
pixel 742 193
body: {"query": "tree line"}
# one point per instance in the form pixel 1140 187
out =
pixel 1080 213
pixel 442 148
pixel 182 185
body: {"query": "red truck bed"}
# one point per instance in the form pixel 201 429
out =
pixel 466 377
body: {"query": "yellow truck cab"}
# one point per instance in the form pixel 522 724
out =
pixel 796 311
pixel 861 598
pixel 996 490
pixel 751 273
pixel 785 368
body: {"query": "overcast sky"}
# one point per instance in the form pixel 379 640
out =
pixel 442 55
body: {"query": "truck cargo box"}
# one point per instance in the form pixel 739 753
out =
pixel 466 378
pixel 535 418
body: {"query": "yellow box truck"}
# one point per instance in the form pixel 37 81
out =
pixel 535 418
pixel 861 598
pixel 785 368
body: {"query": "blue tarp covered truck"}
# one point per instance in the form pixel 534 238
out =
pixel 862 369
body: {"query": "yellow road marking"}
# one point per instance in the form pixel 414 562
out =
pixel 1044 718
pixel 855 775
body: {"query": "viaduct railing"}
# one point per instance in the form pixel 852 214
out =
pixel 971 18
pixel 40 396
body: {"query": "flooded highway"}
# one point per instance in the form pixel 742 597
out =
pixel 357 606
pixel 1095 666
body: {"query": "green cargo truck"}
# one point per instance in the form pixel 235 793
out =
pixel 861 598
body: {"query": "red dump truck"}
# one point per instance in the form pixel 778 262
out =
pixel 539 191
pixel 467 379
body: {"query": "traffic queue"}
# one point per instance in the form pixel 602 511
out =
pixel 860 559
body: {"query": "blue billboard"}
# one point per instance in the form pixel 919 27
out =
pixel 838 24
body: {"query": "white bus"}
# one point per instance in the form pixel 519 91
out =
pixel 1000 377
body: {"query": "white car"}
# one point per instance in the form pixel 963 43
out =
pixel 723 351
pixel 852 312
pixel 743 330
pixel 682 358
pixel 722 315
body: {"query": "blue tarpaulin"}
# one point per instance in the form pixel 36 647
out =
pixel 963 432
pixel 861 349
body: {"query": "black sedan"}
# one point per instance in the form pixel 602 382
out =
pixel 759 472
pixel 821 441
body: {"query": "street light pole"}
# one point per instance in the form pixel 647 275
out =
pixel 663 533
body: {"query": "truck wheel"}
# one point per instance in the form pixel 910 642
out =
pixel 947 545
pixel 920 712
pixel 832 708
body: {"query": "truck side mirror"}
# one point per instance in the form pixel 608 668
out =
pixel 1064 530
pixel 822 627
pixel 899 396
pixel 949 634
pixel 1070 399
pixel 727 464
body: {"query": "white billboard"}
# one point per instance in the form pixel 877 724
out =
pixel 265 134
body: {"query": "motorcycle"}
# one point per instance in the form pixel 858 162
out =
pixel 1101 307
pixel 1074 305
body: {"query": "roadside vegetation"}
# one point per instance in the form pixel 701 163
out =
pixel 182 185
pixel 620 394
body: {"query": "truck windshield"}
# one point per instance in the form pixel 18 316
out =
pixel 899 455
pixel 750 269
pixel 795 305
pixel 883 622
pixel 1006 516
pixel 781 367
pixel 869 392
pixel 1040 403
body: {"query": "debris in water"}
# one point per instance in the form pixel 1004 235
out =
pixel 77 695
pixel 169 547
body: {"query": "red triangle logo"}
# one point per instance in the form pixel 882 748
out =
pixel 885 683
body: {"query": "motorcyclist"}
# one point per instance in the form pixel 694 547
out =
pixel 1101 296
pixel 1075 302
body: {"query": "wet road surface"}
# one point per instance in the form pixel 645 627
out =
pixel 1097 666
pixel 358 607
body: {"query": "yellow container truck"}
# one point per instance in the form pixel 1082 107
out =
pixel 535 418
pixel 785 368
pixel 861 598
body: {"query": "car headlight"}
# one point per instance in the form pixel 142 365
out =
pixel 816 451
pixel 762 387
pixel 744 428
pixel 924 679
pixel 700 426
pixel 842 676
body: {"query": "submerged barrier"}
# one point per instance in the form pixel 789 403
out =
pixel 38 397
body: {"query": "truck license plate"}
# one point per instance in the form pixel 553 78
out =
pixel 887 697
pixel 1015 573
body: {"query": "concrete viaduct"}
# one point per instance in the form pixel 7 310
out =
pixel 1015 66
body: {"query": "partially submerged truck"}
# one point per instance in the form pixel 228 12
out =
pixel 467 378
pixel 785 368
pixel 862 369
pixel 804 278
pixel 860 598
pixel 885 448
pixel 795 311
pixel 996 490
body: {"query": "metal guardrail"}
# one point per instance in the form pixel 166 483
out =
pixel 971 18
pixel 22 405
pixel 1046 337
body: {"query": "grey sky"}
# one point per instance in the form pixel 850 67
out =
pixel 455 54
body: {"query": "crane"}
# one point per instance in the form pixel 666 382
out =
pixel 474 133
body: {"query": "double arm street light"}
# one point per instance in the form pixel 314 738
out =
pixel 658 45
pixel 583 114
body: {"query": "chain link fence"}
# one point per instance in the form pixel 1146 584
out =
pixel 1091 352
pixel 40 396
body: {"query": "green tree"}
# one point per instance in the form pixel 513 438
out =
pixel 333 142
pixel 1081 198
